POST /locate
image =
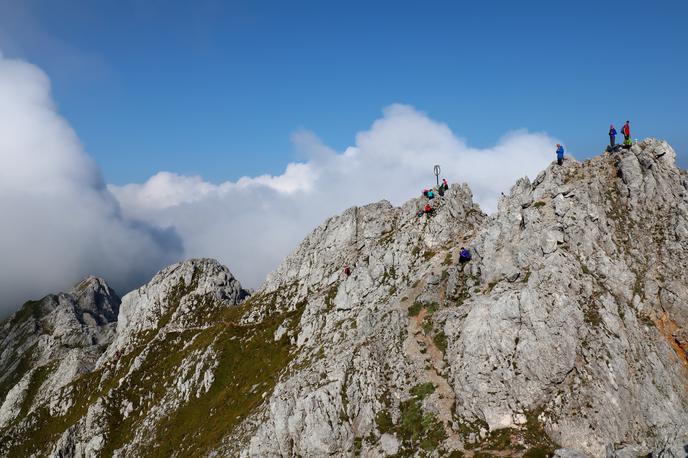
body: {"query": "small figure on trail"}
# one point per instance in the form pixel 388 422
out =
pixel 428 210
pixel 560 154
pixel 431 194
pixel 445 185
pixel 117 355
pixel 347 271
pixel 626 131
pixel 425 193
pixel 464 256
pixel 440 190
pixel 612 136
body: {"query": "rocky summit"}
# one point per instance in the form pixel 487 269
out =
pixel 565 335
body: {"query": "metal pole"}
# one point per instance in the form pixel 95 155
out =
pixel 437 171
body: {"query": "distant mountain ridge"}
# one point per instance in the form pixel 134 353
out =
pixel 566 335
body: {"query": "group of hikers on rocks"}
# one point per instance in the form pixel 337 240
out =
pixel 625 130
pixel 430 195
pixel 429 210
pixel 627 143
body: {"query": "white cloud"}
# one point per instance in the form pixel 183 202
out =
pixel 251 224
pixel 58 220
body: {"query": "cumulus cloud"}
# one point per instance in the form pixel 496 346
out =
pixel 59 221
pixel 252 223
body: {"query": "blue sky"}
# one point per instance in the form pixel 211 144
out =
pixel 217 88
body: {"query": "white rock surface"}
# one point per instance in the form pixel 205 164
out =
pixel 566 334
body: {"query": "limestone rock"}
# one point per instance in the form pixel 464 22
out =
pixel 565 335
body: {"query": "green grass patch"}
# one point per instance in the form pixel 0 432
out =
pixel 423 390
pixel 414 310
pixel 30 309
pixel 432 307
pixel 591 314
pixel 384 422
pixel 418 428
pixel 440 339
pixel 39 376
pixel 427 325
pixel 11 378
pixel 538 204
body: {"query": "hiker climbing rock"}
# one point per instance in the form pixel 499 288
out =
pixel 612 136
pixel 560 154
pixel 626 131
pixel 464 256
pixel 431 194
pixel 445 185
pixel 347 271
pixel 427 210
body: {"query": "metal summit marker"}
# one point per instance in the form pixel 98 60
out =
pixel 437 171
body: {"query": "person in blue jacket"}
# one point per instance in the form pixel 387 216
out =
pixel 464 255
pixel 612 136
pixel 560 154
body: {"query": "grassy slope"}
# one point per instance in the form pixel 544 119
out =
pixel 250 362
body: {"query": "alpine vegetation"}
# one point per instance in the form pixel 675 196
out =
pixel 556 326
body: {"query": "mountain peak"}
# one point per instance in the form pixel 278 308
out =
pixel 93 294
pixel 565 334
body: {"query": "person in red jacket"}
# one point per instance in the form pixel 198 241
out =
pixel 626 131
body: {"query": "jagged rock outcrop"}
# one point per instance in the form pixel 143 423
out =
pixel 582 317
pixel 48 343
pixel 354 346
pixel 568 327
pixel 565 335
pixel 157 360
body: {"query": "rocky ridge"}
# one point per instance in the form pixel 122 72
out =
pixel 567 333
pixel 50 342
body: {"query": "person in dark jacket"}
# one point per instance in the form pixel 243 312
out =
pixel 464 255
pixel 560 154
pixel 612 136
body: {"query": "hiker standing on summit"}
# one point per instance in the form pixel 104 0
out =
pixel 612 136
pixel 560 154
pixel 626 131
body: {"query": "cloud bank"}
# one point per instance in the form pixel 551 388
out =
pixel 253 223
pixel 58 221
